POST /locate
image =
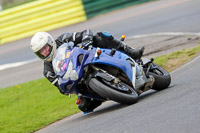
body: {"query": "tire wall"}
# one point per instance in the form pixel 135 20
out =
pixel 45 15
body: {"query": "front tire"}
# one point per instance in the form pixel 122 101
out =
pixel 110 93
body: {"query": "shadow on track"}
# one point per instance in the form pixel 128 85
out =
pixel 113 106
pixel 103 110
pixel 149 93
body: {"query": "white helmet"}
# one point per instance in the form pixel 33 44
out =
pixel 43 45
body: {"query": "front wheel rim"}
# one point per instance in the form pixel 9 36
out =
pixel 122 87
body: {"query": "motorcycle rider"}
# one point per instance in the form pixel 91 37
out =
pixel 44 46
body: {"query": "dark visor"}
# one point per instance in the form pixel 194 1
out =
pixel 38 53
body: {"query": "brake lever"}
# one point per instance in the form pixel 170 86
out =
pixel 56 80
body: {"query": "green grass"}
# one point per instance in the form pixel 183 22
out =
pixel 30 106
pixel 174 60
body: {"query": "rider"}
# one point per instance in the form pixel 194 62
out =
pixel 44 46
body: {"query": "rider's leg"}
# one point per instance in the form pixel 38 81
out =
pixel 106 40
pixel 134 53
pixel 88 104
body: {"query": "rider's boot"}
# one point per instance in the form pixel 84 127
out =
pixel 87 105
pixel 133 53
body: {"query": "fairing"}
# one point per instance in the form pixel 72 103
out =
pixel 117 60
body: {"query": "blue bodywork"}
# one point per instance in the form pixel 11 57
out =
pixel 117 60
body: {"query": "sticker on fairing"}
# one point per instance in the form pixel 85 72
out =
pixel 64 66
pixel 67 55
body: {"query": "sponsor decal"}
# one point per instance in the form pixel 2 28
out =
pixel 67 55
pixel 64 66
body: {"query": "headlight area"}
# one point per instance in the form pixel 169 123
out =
pixel 70 73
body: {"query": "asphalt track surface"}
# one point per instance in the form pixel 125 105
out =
pixel 147 18
pixel 173 110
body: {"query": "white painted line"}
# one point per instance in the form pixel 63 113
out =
pixel 165 34
pixel 16 64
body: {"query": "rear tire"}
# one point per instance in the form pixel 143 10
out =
pixel 162 78
pixel 108 92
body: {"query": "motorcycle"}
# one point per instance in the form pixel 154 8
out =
pixel 106 74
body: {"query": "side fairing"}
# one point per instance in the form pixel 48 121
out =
pixel 117 60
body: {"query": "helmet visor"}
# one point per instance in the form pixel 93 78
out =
pixel 45 51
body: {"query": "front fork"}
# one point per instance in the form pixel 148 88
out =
pixel 140 81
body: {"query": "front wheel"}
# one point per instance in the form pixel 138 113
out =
pixel 121 93
pixel 162 77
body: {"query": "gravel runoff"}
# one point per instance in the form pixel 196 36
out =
pixel 164 43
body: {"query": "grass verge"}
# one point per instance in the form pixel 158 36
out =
pixel 33 105
pixel 174 60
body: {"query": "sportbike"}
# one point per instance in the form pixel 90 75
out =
pixel 106 74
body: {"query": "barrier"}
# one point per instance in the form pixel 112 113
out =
pixel 44 15
pixel 96 7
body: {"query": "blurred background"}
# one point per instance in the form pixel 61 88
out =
pixel 5 4
pixel 45 15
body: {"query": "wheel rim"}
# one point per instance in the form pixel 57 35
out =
pixel 122 87
pixel 158 72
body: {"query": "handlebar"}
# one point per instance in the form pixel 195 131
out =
pixel 56 80
pixel 52 76
pixel 86 45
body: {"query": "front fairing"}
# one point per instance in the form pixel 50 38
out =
pixel 78 66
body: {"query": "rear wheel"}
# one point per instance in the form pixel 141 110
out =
pixel 119 92
pixel 162 77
